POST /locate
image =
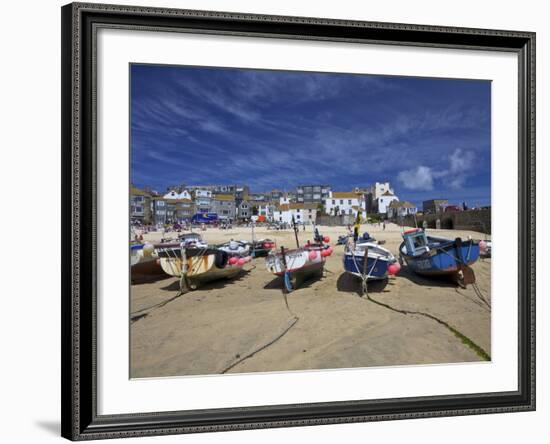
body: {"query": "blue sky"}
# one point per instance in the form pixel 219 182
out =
pixel 431 138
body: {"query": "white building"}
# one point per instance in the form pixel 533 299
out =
pixel 284 199
pixel 303 213
pixel 266 209
pixel 175 195
pixel 339 203
pixel 374 193
pixel 379 188
pixel 401 209
pixel 203 200
pixel 383 202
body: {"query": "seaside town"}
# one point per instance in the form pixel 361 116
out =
pixel 226 280
pixel 306 204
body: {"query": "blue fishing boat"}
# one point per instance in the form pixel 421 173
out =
pixel 378 259
pixel 435 256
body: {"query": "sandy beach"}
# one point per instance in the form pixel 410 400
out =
pixel 248 324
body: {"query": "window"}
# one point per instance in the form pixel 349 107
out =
pixel 341 201
pixel 310 216
pixel 349 201
pixel 333 202
pixel 297 216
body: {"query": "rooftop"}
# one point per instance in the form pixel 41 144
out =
pixel 344 195
pixel 224 197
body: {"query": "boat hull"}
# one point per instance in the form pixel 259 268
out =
pixel 203 265
pixel 376 268
pixel 299 264
pixel 442 260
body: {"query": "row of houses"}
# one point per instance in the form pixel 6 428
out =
pixel 236 203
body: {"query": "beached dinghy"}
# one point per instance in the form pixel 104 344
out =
pixel 368 260
pixel 434 256
pixel 300 263
pixel 140 253
pixel 195 266
pixel 236 248
pixel 144 262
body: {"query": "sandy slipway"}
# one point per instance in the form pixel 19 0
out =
pixel 247 325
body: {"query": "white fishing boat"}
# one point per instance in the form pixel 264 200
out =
pixel 299 264
pixel 194 262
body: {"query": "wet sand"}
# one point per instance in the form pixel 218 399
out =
pixel 247 324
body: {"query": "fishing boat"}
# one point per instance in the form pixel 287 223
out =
pixel 297 265
pixel 196 266
pixel 141 252
pixel 435 256
pixel 194 262
pixel 143 262
pixel 485 248
pixel 366 259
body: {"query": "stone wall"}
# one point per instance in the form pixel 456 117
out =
pixel 343 220
pixel 475 220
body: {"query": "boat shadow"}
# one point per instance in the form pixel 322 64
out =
pixel 432 281
pixel 351 284
pixel 212 285
pixel 278 283
pixel 137 279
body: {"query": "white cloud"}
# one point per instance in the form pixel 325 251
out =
pixel 422 177
pixel 460 164
pixel 419 178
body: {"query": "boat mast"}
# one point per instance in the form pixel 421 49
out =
pixel 295 232
pixel 253 241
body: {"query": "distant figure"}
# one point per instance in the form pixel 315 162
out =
pixel 464 206
pixel 384 225
pixel 304 229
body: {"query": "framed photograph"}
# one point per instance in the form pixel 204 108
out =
pixel 282 221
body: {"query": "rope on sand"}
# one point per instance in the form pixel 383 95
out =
pixel 465 339
pixel 263 347
pixel 293 322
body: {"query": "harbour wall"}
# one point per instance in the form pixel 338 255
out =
pixel 475 220
pixel 332 221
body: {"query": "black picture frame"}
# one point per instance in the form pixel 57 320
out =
pixel 79 207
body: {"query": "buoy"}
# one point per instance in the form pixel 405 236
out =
pixel 233 260
pixel 394 268
pixel 241 261
pixel 312 255
pixel 330 250
pixel 248 258
pixel 326 239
